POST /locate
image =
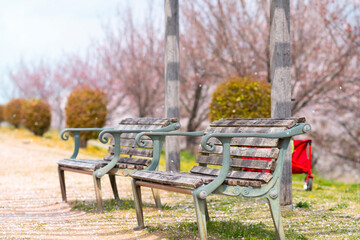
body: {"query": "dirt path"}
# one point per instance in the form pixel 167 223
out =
pixel 30 199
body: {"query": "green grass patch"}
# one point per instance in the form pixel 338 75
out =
pixel 109 205
pixel 339 206
pixel 302 204
pixel 233 229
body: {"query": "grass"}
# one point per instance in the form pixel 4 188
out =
pixel 330 211
pixel 110 205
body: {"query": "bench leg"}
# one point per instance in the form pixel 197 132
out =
pixel 207 212
pixel 138 205
pixel 113 186
pixel 62 184
pixel 275 209
pixel 97 185
pixel 156 195
pixel 200 207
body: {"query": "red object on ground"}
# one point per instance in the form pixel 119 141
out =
pixel 301 160
pixel 301 156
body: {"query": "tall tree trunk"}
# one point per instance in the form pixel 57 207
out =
pixel 280 62
pixel 83 143
pixel 191 141
pixel 172 80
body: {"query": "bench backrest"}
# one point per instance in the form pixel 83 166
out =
pixel 133 156
pixel 251 158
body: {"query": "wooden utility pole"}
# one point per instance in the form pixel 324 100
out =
pixel 172 80
pixel 280 62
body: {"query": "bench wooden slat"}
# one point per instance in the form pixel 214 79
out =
pixel 82 163
pixel 244 129
pixel 173 179
pixel 259 122
pixel 244 183
pixel 141 152
pixel 137 161
pixel 262 176
pixel 133 135
pixel 148 121
pixel 255 142
pixel 237 162
pixel 91 165
pixel 184 179
pixel 245 152
pixel 129 136
pixel 137 127
pixel 132 143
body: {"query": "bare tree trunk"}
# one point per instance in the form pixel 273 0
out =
pixel 191 141
pixel 172 80
pixel 83 143
pixel 280 62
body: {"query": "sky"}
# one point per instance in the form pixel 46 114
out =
pixel 46 29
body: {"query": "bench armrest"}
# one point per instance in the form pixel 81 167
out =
pixel 76 133
pixel 158 138
pixel 225 139
pixel 116 135
pixel 140 143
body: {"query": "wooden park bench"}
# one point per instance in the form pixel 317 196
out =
pixel 251 155
pixel 124 155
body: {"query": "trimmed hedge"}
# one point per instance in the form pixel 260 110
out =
pixel 36 116
pixel 241 98
pixel 1 113
pixel 12 111
pixel 86 108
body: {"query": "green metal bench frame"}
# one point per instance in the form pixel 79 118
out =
pixel 270 190
pixel 110 167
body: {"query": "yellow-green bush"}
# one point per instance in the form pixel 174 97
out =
pixel 241 98
pixel 36 116
pixel 1 113
pixel 12 111
pixel 86 108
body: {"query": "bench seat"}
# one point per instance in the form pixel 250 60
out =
pixel 195 180
pixel 236 157
pixel 123 157
pixel 92 165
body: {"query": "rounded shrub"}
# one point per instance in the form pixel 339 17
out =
pixel 12 111
pixel 86 108
pixel 1 113
pixel 241 98
pixel 36 116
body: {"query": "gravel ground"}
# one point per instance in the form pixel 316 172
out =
pixel 30 198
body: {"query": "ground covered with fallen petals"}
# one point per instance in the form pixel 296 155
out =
pixel 31 207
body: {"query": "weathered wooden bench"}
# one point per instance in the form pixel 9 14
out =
pixel 237 145
pixel 124 156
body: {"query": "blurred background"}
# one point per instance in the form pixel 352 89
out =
pixel 48 50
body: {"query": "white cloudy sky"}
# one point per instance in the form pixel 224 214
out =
pixel 35 29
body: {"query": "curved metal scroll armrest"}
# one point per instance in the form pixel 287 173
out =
pixel 104 170
pixel 140 143
pixel 76 133
pixel 204 191
pixel 116 135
